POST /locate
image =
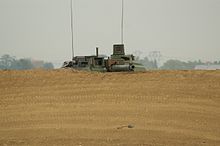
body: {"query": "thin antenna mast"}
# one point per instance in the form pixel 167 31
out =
pixel 122 22
pixel 71 8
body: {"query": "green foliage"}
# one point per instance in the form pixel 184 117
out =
pixel 9 62
pixel 23 64
pixel 171 64
pixel 48 65
pixel 6 62
pixel 180 65
pixel 150 65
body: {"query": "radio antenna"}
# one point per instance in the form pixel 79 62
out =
pixel 122 21
pixel 71 17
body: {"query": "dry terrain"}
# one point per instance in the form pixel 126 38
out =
pixel 66 107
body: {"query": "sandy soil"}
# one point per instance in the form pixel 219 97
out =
pixel 65 107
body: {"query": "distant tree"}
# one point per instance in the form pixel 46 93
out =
pixel 151 65
pixel 48 65
pixel 9 62
pixel 191 64
pixel 174 65
pixel 155 64
pixel 180 65
pixel 24 64
pixel 199 62
pixel 6 62
pixel 215 62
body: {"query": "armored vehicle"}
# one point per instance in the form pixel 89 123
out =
pixel 117 62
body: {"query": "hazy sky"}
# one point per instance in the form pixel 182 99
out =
pixel 185 29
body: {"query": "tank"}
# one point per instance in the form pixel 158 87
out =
pixel 117 62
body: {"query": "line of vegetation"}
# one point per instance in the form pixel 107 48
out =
pixel 8 62
pixel 173 64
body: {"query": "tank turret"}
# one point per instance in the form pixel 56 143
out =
pixel 119 61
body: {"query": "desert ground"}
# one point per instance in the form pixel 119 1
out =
pixel 67 107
